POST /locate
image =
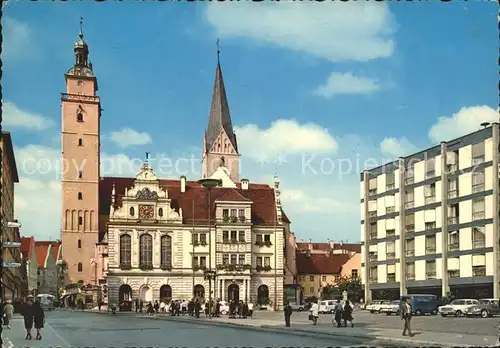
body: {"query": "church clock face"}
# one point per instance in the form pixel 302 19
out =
pixel 146 212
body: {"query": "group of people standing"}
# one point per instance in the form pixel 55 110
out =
pixel 32 313
pixel 342 314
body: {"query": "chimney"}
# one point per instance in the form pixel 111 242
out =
pixel 310 245
pixel 183 184
pixel 244 184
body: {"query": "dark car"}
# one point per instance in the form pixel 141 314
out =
pixel 486 308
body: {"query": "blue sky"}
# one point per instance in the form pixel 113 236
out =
pixel 337 82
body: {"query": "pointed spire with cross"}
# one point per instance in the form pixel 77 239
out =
pixel 80 34
pixel 218 50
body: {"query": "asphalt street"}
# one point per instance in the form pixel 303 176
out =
pixel 76 329
pixel 435 323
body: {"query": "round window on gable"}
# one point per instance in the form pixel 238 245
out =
pixel 132 211
pixel 160 212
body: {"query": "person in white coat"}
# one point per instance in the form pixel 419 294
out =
pixel 314 313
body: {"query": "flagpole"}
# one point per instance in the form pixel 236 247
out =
pixel 192 256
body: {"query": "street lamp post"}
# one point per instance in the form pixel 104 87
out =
pixel 209 184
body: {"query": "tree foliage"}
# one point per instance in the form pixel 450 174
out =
pixel 349 284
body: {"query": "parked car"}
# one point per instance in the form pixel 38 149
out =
pixel 376 306
pixel 457 307
pixel 297 307
pixel 390 308
pixel 487 307
pixel 326 306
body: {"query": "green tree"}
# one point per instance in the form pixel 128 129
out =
pixel 352 286
pixel 330 292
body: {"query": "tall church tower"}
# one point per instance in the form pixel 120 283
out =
pixel 219 143
pixel 81 110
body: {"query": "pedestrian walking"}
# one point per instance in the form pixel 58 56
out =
pixel 406 315
pixel 288 314
pixel 337 313
pixel 38 318
pixel 250 309
pixel 27 313
pixel 314 313
pixel 8 311
pixel 347 314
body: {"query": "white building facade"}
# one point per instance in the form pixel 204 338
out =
pixel 160 244
pixel 429 221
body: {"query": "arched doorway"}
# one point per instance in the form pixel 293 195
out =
pixel 125 298
pixel 165 293
pixel 199 291
pixel 263 295
pixel 146 294
pixel 233 292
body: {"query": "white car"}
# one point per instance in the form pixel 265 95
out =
pixel 457 307
pixel 326 306
pixel 390 308
pixel 376 306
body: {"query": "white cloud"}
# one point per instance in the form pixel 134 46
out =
pixel 323 204
pixel 397 147
pixel 15 117
pixel 38 218
pixel 466 120
pixel 334 31
pixel 346 83
pixel 283 137
pixel 16 36
pixel 128 137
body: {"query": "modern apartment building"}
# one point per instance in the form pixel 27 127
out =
pixel 429 221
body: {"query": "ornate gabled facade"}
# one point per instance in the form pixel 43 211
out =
pixel 160 243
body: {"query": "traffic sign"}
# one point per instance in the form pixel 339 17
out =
pixel 8 264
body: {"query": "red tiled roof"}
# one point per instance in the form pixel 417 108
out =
pixel 262 196
pixel 320 263
pixel 326 246
pixel 27 244
pixel 42 248
pixel 232 196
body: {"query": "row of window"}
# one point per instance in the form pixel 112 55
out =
pixel 430 272
pixel 233 259
pixel 478 241
pixel 146 250
pixel 354 275
pixel 478 213
pixel 478 156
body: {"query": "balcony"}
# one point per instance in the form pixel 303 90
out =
pixel 391 256
pixel 389 187
pixel 478 215
pixel 479 271
pixel 409 181
pixel 372 192
pixel 391 278
pixel 477 160
pixel 410 276
pixel 430 199
pixel 197 268
pixel 373 235
pixel 453 246
pixel 452 194
pixel 410 228
pixel 372 257
pixel 452 220
pixel 454 274
pixel 263 243
pixel 235 267
pixel 389 210
pixel 409 205
pixel 430 250
pixel 166 267
pixel 233 220
pixel 430 275
pixel 480 243
pixel 125 266
pixel 452 168
pixel 430 174
pixel 200 243
pixel 478 188
pixel 372 214
pixel 373 280
pixel 410 252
